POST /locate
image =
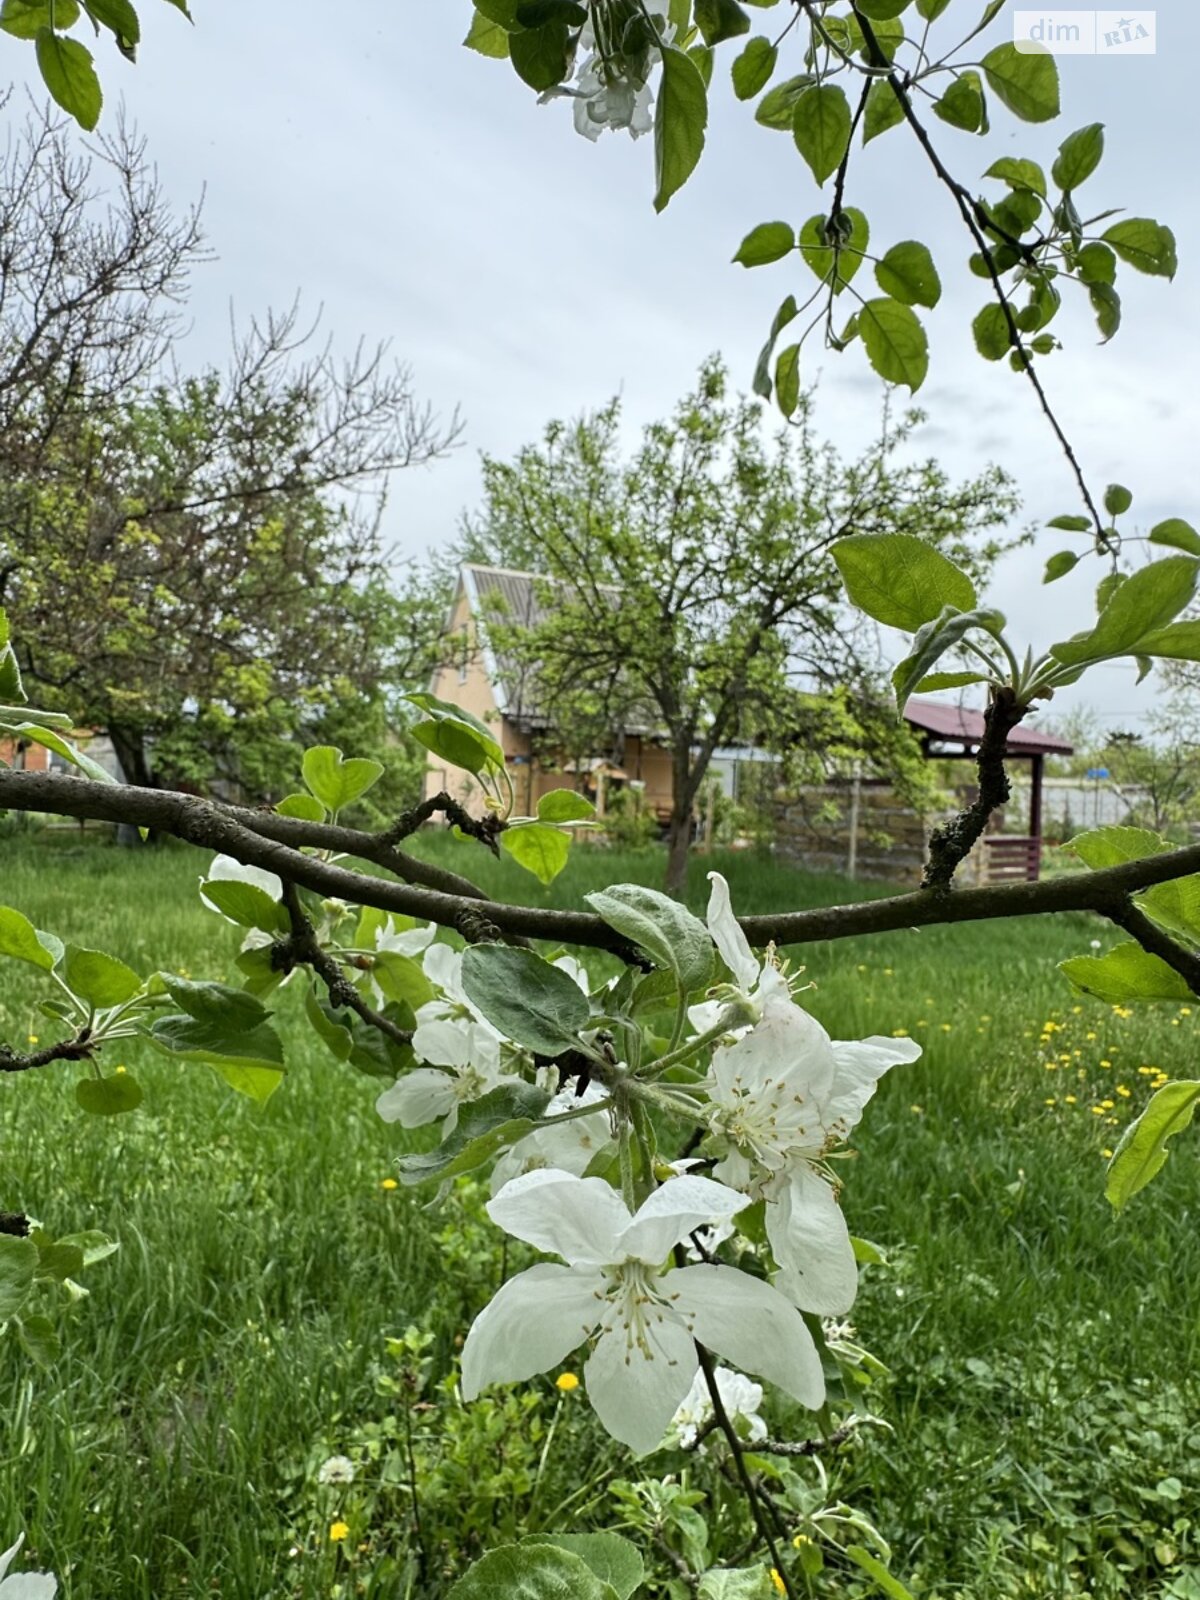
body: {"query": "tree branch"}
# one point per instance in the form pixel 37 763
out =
pixel 950 843
pixel 303 949
pixel 80 1048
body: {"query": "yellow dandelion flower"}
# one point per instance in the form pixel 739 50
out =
pixel 1075 1010
pixel 917 1111
pixel 1185 1011
pixel 1105 1062
pixel 567 1382
pixel 338 1531
pixel 899 1033
pixel 1123 1091
pixel 780 1586
pixel 120 1069
pixel 1108 1104
pixel 985 1016
pixel 1069 1099
pixel 1051 1102
pixel 1106 1154
pixel 1090 1037
pixel 388 1183
pixel 801 1540
pixel 1097 1111
pixel 33 1038
pixel 889 972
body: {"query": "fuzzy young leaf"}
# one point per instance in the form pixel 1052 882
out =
pixel 612 1559
pixel 1025 80
pixel 821 128
pixel 752 70
pixel 679 124
pixel 932 641
pixel 18 1263
pixel 1142 1151
pixel 525 998
pixel 530 1572
pixel 737 1583
pixel 484 1128
pixel 542 850
pixel 895 342
pixel 668 932
pixel 908 274
pixel 900 580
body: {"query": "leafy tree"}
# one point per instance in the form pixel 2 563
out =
pixel 690 588
pixel 194 563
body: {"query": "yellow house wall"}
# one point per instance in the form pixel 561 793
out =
pixel 651 765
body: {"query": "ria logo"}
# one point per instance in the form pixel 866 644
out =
pixel 1085 33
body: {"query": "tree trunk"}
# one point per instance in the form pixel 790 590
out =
pixel 130 749
pixel 679 839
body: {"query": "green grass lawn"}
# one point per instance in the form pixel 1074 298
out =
pixel 1044 1436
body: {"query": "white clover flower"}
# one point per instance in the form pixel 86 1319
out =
pixel 739 1395
pixel 25 1585
pixel 781 1096
pixel 646 1319
pixel 569 1148
pixel 338 1469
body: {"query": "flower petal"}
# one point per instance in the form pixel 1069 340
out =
pixel 530 1325
pixel 859 1065
pixel 811 1242
pixel 228 868
pixel 751 1324
pixel 447 1044
pixel 581 1219
pixel 6 1558
pixel 418 1097
pixel 673 1211
pixel 786 1049
pixel 636 1388
pixel 30 1586
pixel 728 936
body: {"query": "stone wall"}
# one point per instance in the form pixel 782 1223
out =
pixel 812 829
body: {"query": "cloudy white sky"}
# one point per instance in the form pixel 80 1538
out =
pixel 416 192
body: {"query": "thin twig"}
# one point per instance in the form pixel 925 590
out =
pixel 80 1048
pixel 303 949
pixel 950 844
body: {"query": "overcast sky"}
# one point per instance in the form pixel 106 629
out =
pixel 417 192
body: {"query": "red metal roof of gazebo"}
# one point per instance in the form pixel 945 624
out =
pixel 941 721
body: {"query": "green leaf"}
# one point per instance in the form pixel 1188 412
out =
pixel 1078 156
pixel 719 20
pixel 736 1583
pixel 226 1028
pixel 1059 564
pixel 1176 533
pixel 541 56
pixel 612 1559
pixel 455 735
pixel 1144 244
pixel 336 781
pixel 1179 641
pixel 18 1263
pixel 821 128
pixel 118 15
pixel 787 380
pixel 1106 303
pixel 57 1258
pixel 1019 173
pixel 21 940
pixel 1117 499
pixel 530 1572
pixel 908 274
pixel 108 1097
pixel 1126 972
pixel 305 806
pixel 668 932
pixel 992 333
pixel 39 733
pixel 246 904
pixel 485 1126
pixel 679 124
pixel 542 850
pixel 900 580
pixel 39 1339
pixel 777 108
pixel 25 19
pixel 827 244
pixel 1096 263
pixel 487 38
pixel 1142 1151
pixel 932 641
pixel 501 12
pixel 884 110
pixel 68 73
pixel 565 805
pixel 751 71
pixel 931 10
pixel 895 342
pixel 98 979
pixel 962 105
pixel 536 13
pixel 949 680
pixel 402 979
pixel 96 1246
pixel 1144 603
pixel 762 371
pixel 215 1002
pixel 770 241
pixel 1068 523
pixel 11 690
pixel 875 1569
pixel 525 998
pixel 1025 80
pixel 1175 905
pixel 881 10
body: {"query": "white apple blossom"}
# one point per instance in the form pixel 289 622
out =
pixel 25 1585
pixel 782 1094
pixel 741 1398
pixel 571 1147
pixel 469 1050
pixel 405 941
pixel 646 1319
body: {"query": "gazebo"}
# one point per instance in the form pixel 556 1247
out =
pixel 949 733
